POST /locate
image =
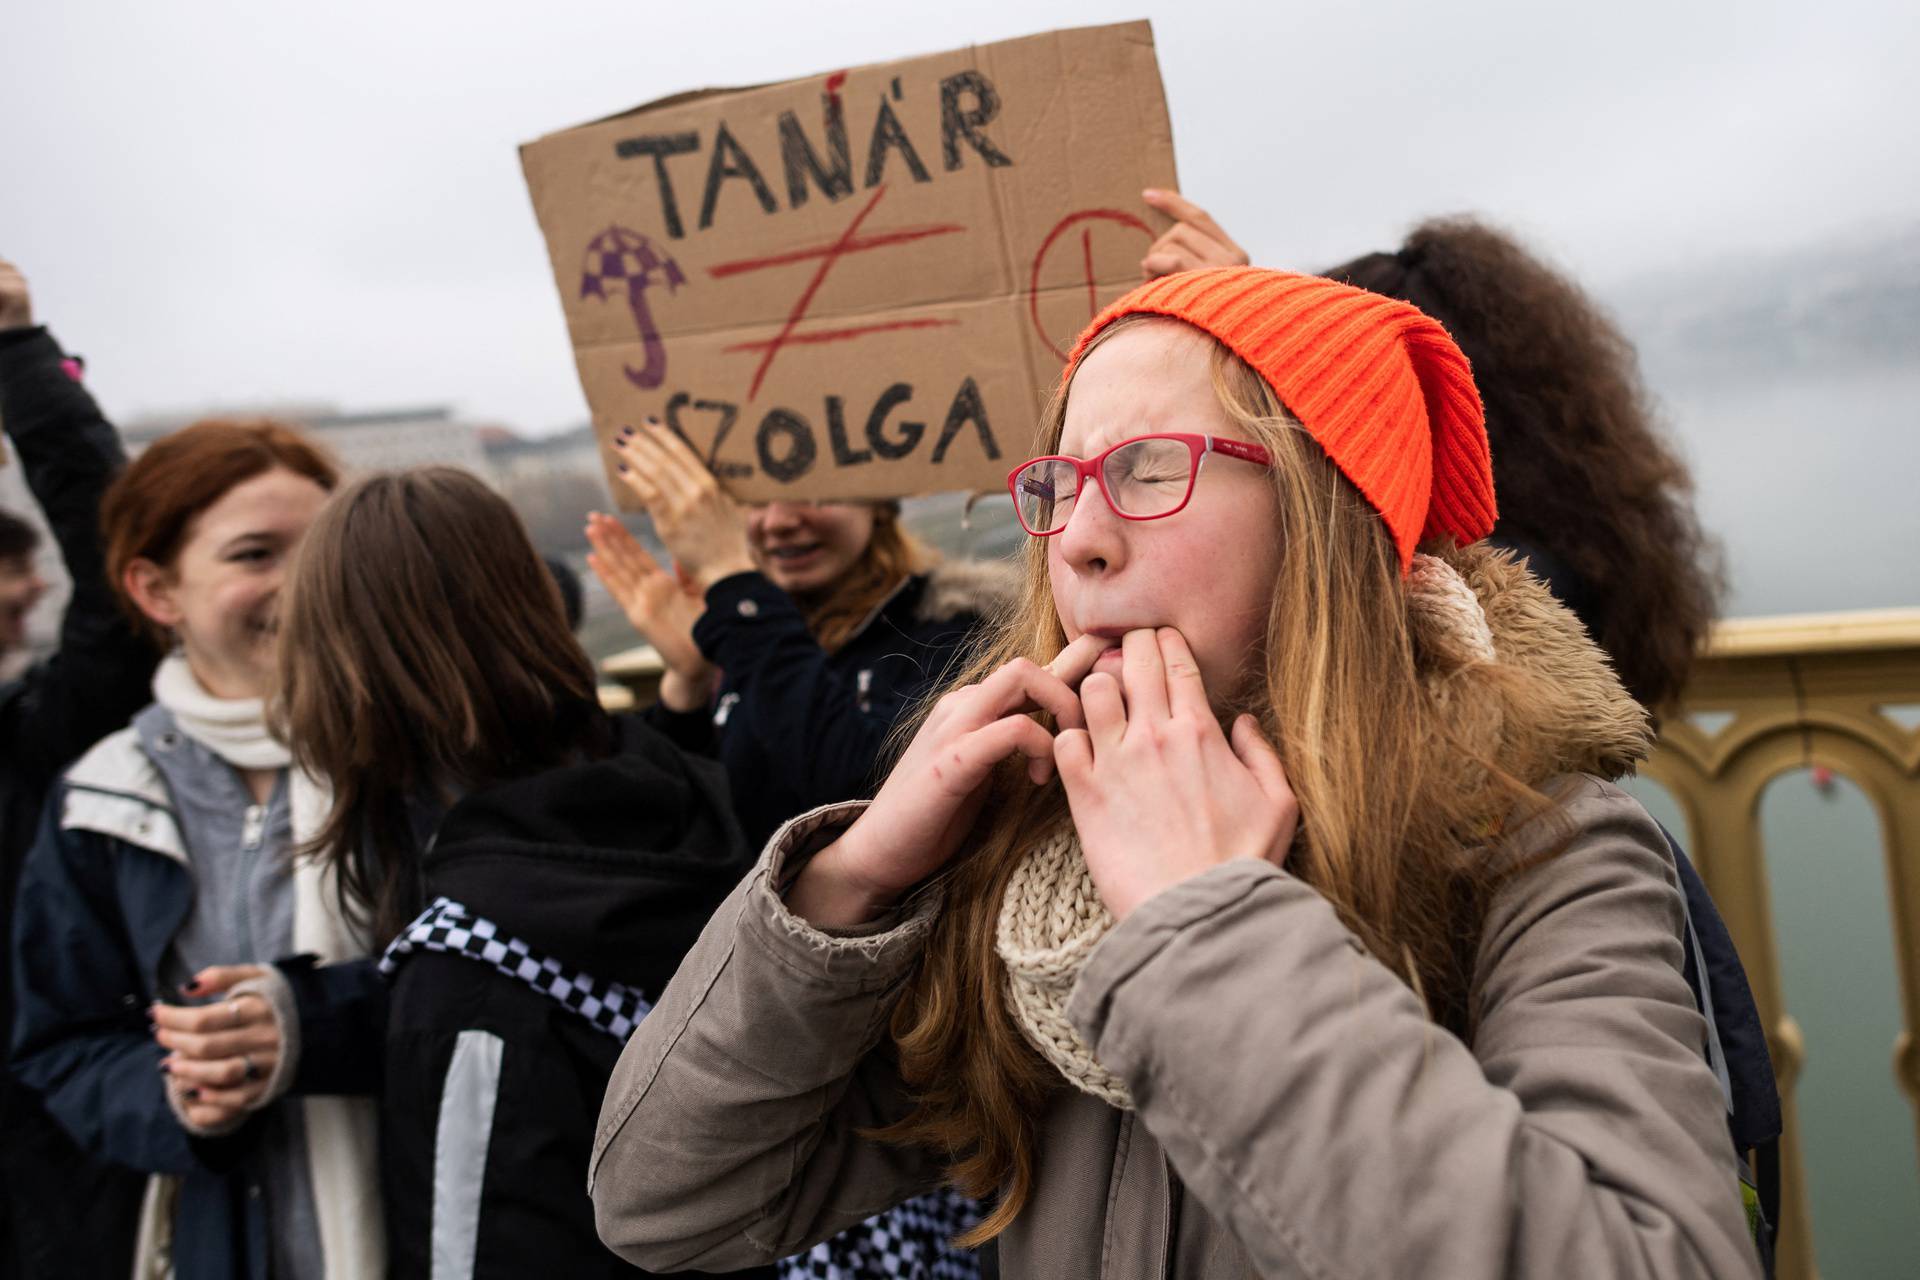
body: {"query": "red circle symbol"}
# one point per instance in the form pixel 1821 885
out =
pixel 1084 220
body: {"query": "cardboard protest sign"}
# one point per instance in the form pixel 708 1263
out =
pixel 860 284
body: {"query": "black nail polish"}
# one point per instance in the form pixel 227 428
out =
pixel 191 987
pixel 166 1068
pixel 191 1095
pixel 626 431
pixel 621 467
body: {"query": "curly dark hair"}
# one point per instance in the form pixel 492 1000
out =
pixel 1588 486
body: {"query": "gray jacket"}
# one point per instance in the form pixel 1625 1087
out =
pixel 1298 1118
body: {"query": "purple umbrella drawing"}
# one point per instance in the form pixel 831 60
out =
pixel 626 256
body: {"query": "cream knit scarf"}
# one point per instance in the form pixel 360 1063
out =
pixel 1052 918
pixel 1050 921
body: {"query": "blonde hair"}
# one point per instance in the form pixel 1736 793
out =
pixel 1398 786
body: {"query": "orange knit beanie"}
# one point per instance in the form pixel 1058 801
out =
pixel 1375 381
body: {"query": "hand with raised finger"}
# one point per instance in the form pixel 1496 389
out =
pixel 1193 242
pixel 1158 793
pixel 700 523
pixel 930 800
pixel 16 301
pixel 660 606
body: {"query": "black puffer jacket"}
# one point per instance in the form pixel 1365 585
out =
pixel 564 902
pixel 798 727
pixel 64 1214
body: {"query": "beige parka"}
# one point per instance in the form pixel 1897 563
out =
pixel 1298 1114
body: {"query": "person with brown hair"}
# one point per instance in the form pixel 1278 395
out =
pixel 1259 902
pixel 164 872
pixel 539 865
pixel 1592 493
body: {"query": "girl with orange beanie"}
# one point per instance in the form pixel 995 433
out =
pixel 1260 903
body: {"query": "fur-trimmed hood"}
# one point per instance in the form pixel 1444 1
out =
pixel 956 588
pixel 1567 702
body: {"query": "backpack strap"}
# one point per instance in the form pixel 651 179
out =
pixel 1703 996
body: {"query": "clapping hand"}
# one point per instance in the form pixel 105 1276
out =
pixel 662 607
pixel 703 528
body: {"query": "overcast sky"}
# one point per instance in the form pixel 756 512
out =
pixel 245 202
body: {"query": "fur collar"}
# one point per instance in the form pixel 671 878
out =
pixel 1566 712
pixel 955 588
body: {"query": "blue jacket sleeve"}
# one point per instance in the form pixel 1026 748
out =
pixel 343 1025
pixel 80 1033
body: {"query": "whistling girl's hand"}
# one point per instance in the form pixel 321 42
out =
pixel 1158 793
pixel 661 606
pixel 702 525
pixel 1194 240
pixel 931 798
pixel 221 1054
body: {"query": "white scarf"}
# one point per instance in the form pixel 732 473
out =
pixel 235 729
pixel 342 1132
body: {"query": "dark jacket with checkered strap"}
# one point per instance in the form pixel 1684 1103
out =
pixel 798 727
pixel 562 901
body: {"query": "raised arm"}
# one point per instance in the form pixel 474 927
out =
pixel 69 453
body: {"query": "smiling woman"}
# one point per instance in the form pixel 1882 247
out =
pixel 162 921
pixel 795 634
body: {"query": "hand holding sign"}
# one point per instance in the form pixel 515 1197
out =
pixel 1195 241
pixel 703 526
pixel 859 284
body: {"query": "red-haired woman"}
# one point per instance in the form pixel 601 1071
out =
pixel 164 871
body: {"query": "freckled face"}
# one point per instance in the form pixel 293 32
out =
pixel 1207 571
pixel 806 547
pixel 221 593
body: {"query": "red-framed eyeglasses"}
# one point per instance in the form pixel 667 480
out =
pixel 1144 478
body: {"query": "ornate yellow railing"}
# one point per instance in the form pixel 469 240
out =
pixel 1778 694
pixel 635 674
